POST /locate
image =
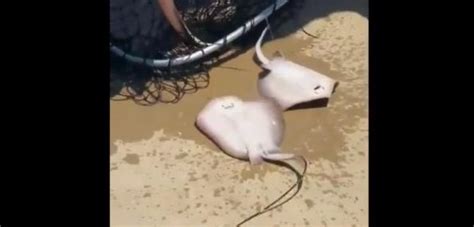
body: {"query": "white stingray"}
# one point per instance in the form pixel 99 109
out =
pixel 250 130
pixel 291 84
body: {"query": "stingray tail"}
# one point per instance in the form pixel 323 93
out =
pixel 258 49
pixel 278 156
pixel 283 157
pixel 298 184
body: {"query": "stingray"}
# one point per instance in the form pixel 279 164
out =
pixel 249 130
pixel 290 84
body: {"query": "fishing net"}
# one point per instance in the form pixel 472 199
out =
pixel 138 28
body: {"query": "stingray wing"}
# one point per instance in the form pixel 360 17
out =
pixel 222 130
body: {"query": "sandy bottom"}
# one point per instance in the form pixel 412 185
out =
pixel 164 172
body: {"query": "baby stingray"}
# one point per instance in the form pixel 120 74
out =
pixel 291 84
pixel 248 130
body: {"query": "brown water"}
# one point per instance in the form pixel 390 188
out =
pixel 131 122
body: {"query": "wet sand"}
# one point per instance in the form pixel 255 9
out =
pixel 164 172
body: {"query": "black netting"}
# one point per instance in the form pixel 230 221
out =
pixel 139 28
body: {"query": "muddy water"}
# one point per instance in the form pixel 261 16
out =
pixel 165 172
pixel 132 122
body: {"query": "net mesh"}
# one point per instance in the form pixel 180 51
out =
pixel 139 28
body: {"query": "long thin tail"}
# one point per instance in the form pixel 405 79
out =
pixel 278 156
pixel 258 48
pixel 298 184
